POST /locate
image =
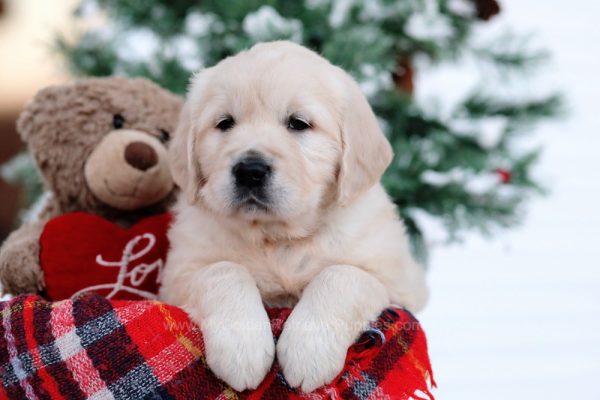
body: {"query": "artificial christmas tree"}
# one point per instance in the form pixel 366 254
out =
pixel 447 166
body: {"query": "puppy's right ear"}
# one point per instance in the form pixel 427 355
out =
pixel 183 161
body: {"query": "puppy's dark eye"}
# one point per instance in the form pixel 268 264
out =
pixel 118 121
pixel 225 123
pixel 297 124
pixel 164 136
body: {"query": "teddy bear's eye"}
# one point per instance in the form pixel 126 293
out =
pixel 118 121
pixel 164 136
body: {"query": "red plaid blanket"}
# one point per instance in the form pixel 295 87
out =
pixel 93 348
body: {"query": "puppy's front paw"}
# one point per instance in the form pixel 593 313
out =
pixel 310 353
pixel 239 352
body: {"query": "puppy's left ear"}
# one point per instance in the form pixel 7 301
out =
pixel 366 152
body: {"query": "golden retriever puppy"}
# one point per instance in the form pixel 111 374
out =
pixel 279 157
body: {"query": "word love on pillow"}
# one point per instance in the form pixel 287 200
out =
pixel 82 252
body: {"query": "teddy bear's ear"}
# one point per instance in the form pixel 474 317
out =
pixel 43 105
pixel 25 122
pixel 184 164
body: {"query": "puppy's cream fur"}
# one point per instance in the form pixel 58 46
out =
pixel 329 243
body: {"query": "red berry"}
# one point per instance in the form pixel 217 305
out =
pixel 504 174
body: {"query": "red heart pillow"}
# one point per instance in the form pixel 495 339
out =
pixel 83 252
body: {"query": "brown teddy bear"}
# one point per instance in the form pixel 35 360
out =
pixel 101 148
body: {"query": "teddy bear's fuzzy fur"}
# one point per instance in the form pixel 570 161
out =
pixel 62 127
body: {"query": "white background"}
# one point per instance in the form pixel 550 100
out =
pixel 518 317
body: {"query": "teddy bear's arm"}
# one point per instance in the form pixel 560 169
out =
pixel 20 270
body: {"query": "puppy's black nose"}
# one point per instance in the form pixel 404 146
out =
pixel 251 172
pixel 140 156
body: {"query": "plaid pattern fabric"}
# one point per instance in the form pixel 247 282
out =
pixel 92 348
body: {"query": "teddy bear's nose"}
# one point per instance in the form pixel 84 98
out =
pixel 140 156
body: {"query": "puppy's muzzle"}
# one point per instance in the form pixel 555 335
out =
pixel 251 173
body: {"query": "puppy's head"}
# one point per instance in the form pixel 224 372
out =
pixel 276 134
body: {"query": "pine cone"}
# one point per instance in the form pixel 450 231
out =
pixel 404 75
pixel 487 9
